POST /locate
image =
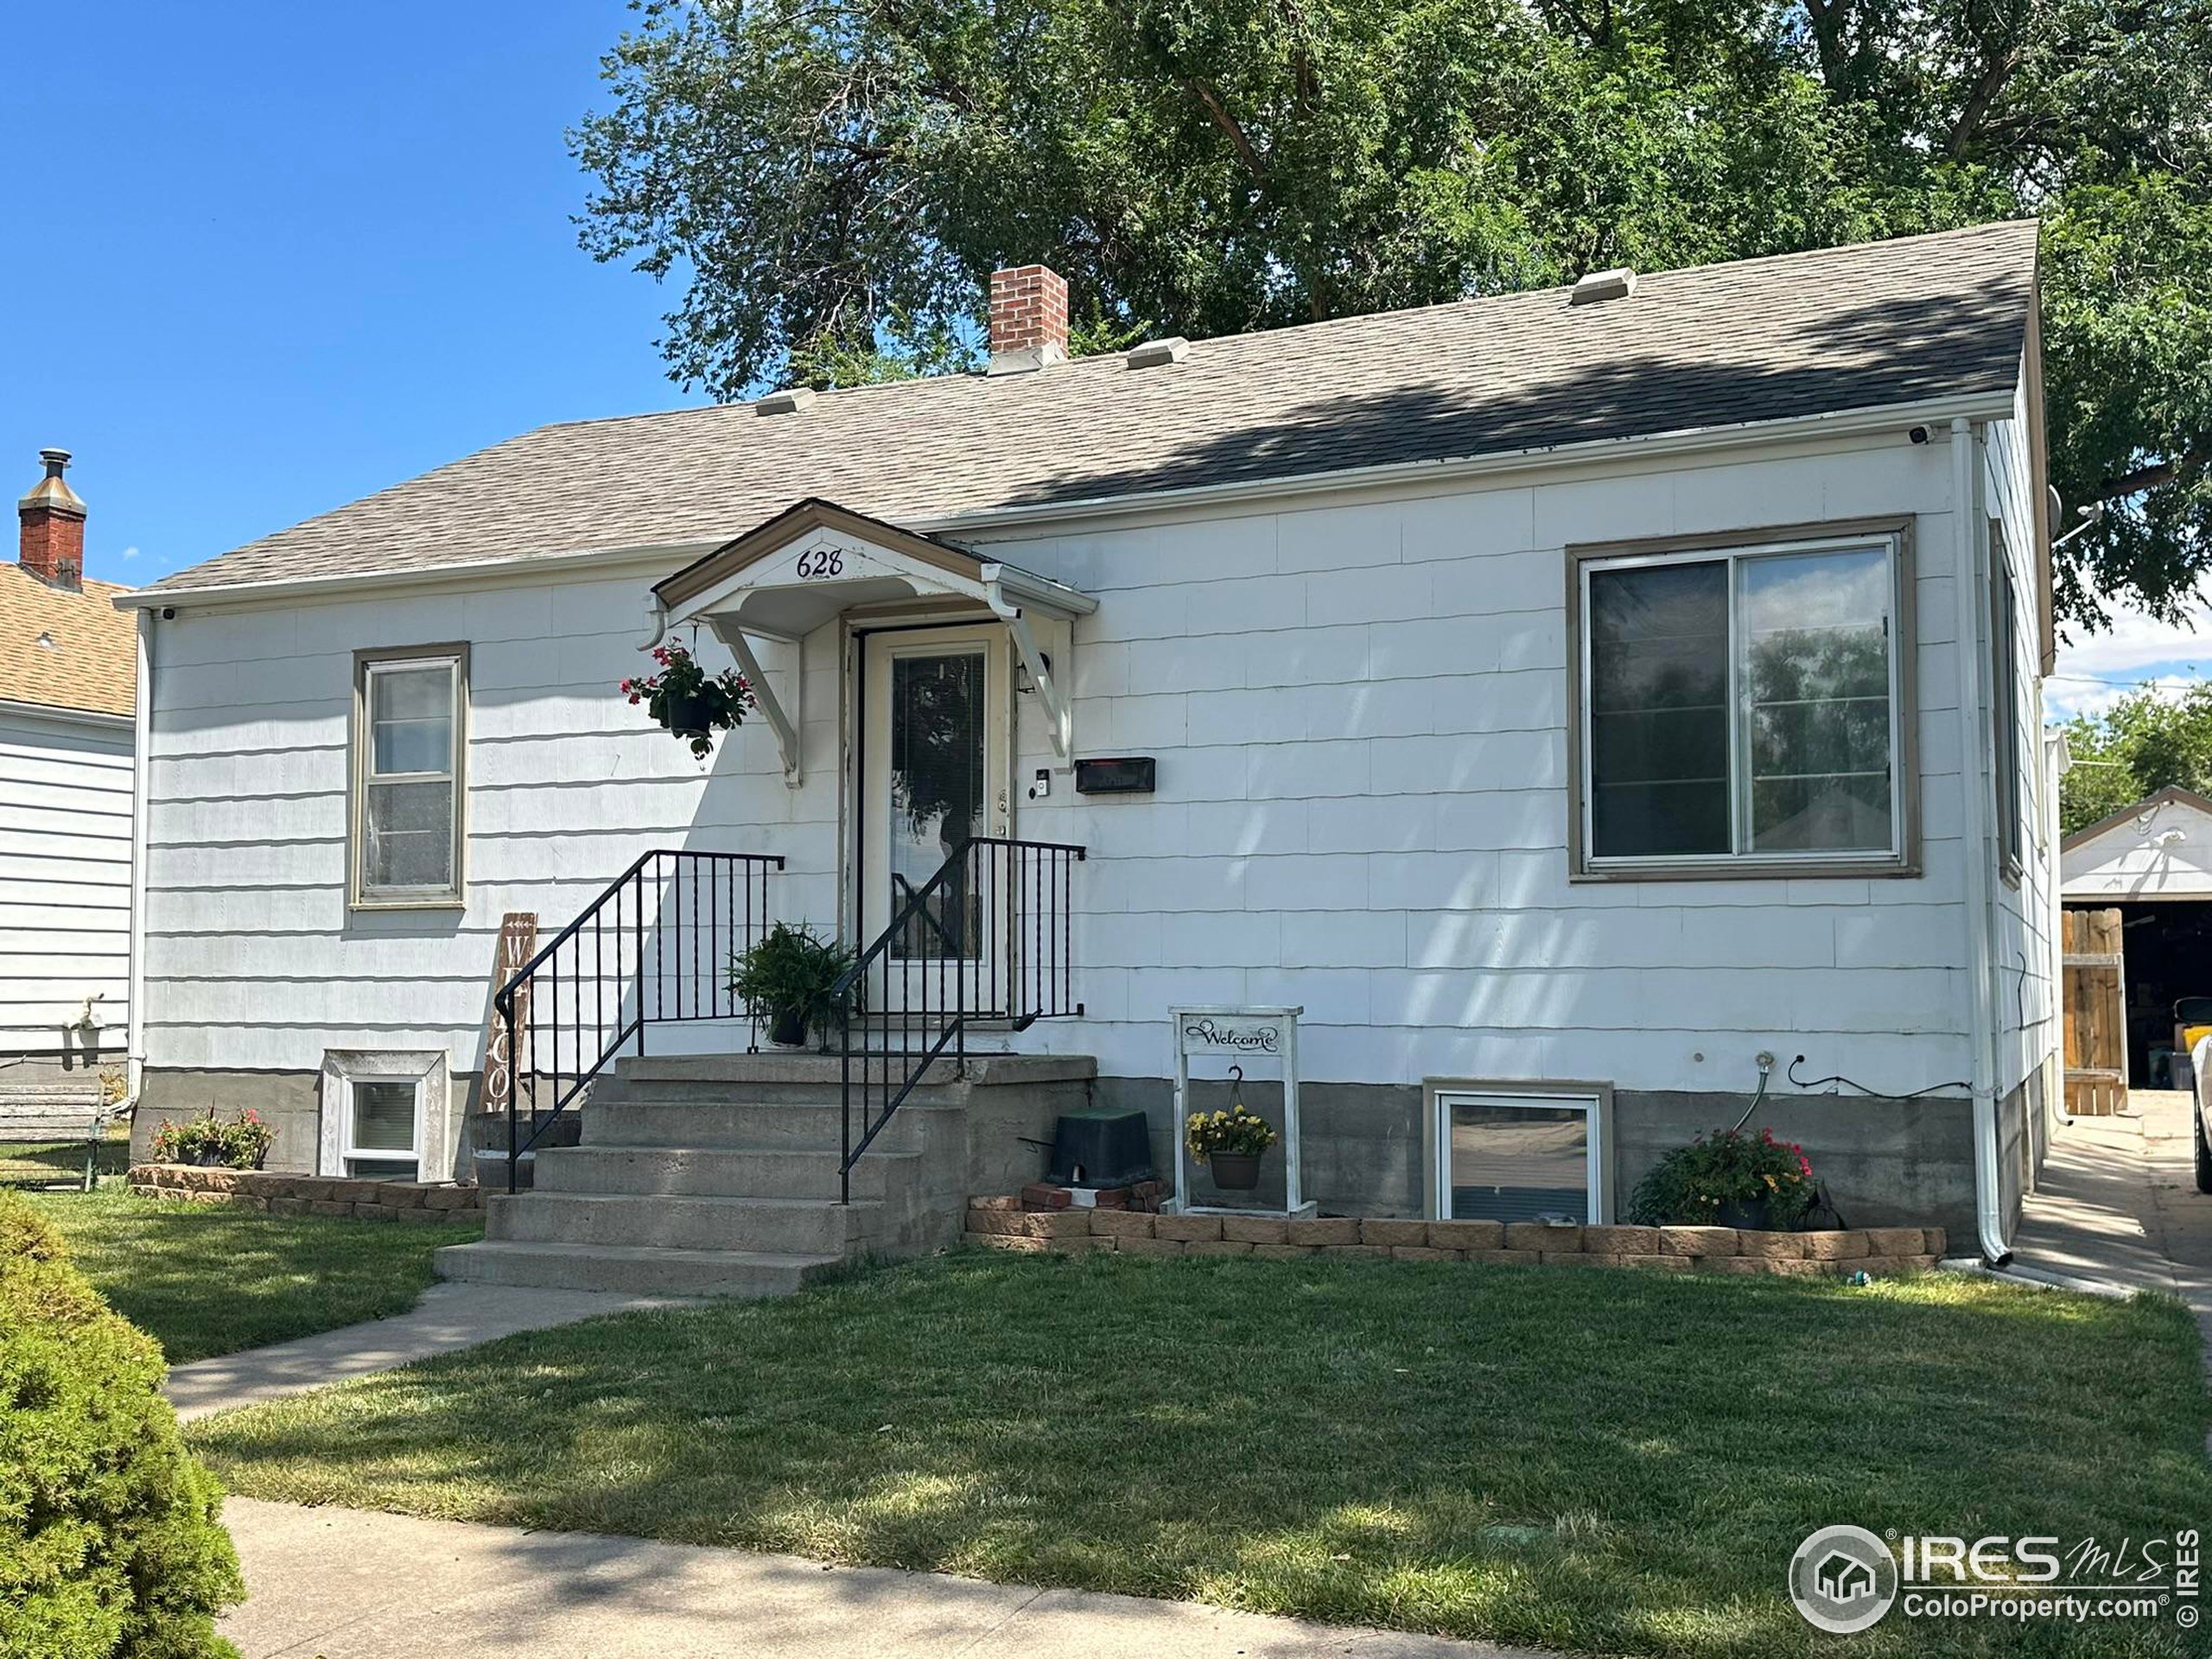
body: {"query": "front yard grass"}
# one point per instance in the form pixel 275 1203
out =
pixel 204 1278
pixel 1589 1459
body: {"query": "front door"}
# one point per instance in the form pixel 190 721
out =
pixel 934 772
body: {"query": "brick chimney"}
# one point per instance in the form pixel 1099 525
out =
pixel 1029 319
pixel 53 526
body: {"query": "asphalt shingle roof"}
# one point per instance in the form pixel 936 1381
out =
pixel 1877 324
pixel 66 650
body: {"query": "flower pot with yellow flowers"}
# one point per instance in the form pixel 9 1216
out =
pixel 1231 1144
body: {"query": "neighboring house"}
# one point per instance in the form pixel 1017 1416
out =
pixel 68 673
pixel 1565 698
pixel 2153 863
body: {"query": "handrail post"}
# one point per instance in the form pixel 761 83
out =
pixel 514 1083
pixel 845 1098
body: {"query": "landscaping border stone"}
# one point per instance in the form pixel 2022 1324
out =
pixel 1002 1223
pixel 271 1192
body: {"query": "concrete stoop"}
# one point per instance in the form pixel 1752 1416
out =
pixel 717 1175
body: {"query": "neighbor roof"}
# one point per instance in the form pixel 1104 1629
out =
pixel 1875 325
pixel 2172 794
pixel 66 650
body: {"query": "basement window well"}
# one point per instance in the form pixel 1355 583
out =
pixel 1516 1155
pixel 384 1116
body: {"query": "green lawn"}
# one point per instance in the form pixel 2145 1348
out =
pixel 1590 1459
pixel 37 1163
pixel 207 1279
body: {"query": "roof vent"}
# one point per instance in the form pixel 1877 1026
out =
pixel 789 401
pixel 1157 353
pixel 1603 285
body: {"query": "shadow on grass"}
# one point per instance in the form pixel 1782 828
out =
pixel 1592 1459
pixel 207 1279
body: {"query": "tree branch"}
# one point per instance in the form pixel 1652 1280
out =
pixel 1255 163
pixel 1997 68
pixel 2193 458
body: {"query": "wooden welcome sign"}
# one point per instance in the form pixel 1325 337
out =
pixel 517 945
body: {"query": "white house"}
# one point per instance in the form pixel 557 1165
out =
pixel 67 674
pixel 1564 698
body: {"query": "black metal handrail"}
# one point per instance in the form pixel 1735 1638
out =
pixel 1000 909
pixel 654 948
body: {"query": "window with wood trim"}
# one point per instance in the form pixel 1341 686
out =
pixel 409 747
pixel 1742 706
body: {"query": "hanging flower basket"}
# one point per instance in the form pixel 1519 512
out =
pixel 1231 1143
pixel 684 701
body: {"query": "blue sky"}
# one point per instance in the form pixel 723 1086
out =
pixel 269 257
pixel 266 258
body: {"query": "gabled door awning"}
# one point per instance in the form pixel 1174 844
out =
pixel 816 561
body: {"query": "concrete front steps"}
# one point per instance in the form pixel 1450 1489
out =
pixel 718 1175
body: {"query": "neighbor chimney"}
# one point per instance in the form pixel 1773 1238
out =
pixel 53 526
pixel 1029 319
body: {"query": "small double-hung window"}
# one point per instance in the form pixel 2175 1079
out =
pixel 410 743
pixel 1741 708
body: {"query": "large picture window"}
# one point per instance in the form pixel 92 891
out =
pixel 409 742
pixel 1741 706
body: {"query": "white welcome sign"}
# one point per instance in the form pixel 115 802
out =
pixel 1242 1036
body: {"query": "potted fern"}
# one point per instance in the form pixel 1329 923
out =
pixel 785 978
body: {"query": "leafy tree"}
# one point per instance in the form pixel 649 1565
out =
pixel 831 181
pixel 2143 743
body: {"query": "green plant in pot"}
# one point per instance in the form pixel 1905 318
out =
pixel 241 1143
pixel 1728 1178
pixel 1230 1143
pixel 785 978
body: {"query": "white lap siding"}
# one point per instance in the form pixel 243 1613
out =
pixel 253 960
pixel 1358 710
pixel 64 882
pixel 1359 714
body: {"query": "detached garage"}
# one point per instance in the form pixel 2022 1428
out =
pixel 2137 887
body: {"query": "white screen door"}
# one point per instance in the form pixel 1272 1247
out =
pixel 934 771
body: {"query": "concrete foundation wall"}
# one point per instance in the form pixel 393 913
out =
pixel 291 1102
pixel 1886 1162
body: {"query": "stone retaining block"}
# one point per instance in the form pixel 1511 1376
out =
pixel 268 1193
pixel 1002 1224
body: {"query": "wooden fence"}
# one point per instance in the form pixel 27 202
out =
pixel 2096 1013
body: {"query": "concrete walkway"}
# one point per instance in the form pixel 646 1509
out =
pixel 450 1316
pixel 340 1583
pixel 2117 1203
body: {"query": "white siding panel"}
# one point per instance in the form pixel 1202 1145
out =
pixel 65 883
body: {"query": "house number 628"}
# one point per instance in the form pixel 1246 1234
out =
pixel 821 562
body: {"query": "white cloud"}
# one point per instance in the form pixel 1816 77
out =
pixel 130 552
pixel 2096 669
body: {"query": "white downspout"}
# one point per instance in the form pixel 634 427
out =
pixel 141 753
pixel 1969 537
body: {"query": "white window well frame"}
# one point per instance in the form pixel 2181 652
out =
pixel 425 1073
pixel 1901 857
pixel 1595 1100
pixel 367 665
